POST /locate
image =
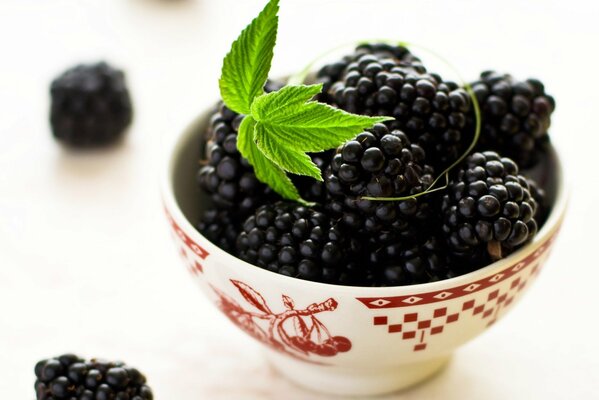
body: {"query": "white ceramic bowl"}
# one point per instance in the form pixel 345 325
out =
pixel 341 339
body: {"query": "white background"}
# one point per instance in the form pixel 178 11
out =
pixel 86 263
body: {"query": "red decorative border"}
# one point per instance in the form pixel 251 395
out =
pixel 459 291
pixel 193 246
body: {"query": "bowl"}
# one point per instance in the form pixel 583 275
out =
pixel 349 340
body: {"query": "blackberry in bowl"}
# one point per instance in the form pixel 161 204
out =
pixel 374 337
pixel 370 284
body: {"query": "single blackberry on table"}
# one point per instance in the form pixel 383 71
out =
pixel 300 242
pixel 488 205
pixel 515 116
pixel 219 228
pixel 70 377
pixel 431 111
pixel 333 72
pixel 379 163
pixel 90 105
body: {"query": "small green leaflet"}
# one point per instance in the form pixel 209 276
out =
pixel 266 171
pixel 289 124
pixel 246 66
pixel 280 128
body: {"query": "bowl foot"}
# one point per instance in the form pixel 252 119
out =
pixel 344 381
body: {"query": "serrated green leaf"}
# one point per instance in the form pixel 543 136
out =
pixel 266 171
pixel 246 66
pixel 308 126
pixel 296 162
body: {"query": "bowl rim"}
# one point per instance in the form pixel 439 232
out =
pixel 174 145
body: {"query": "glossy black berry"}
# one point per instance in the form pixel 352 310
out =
pixel 72 378
pixel 488 206
pixel 516 116
pixel 300 242
pixel 90 105
pixel 431 111
pixel 378 163
pixel 364 54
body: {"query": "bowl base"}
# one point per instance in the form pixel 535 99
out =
pixel 343 381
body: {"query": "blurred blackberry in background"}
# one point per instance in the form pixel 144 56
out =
pixel 431 111
pixel 90 105
pixel 70 377
pixel 379 163
pixel 300 242
pixel 488 205
pixel 333 72
pixel 220 228
pixel 515 116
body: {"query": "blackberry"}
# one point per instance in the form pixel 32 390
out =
pixel 405 262
pixel 515 116
pixel 333 72
pixel 226 175
pixel 70 377
pixel 90 106
pixel 379 163
pixel 298 241
pixel 431 111
pixel 219 228
pixel 488 205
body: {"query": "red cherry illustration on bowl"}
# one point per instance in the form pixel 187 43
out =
pixel 325 349
pixel 341 343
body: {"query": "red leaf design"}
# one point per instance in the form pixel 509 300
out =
pixel 301 329
pixel 227 302
pixel 252 297
pixel 288 302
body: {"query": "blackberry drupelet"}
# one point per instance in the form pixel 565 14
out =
pixel 515 116
pixel 488 205
pixel 300 242
pixel 379 163
pixel 90 106
pixel 431 111
pixel 333 72
pixel 70 377
pixel 219 228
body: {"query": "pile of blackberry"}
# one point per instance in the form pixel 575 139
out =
pixel 351 236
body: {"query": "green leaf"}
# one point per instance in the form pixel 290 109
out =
pixel 291 160
pixel 308 126
pixel 246 66
pixel 266 171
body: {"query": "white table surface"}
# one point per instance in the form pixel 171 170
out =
pixel 86 263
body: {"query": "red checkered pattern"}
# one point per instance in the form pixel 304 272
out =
pixel 416 327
